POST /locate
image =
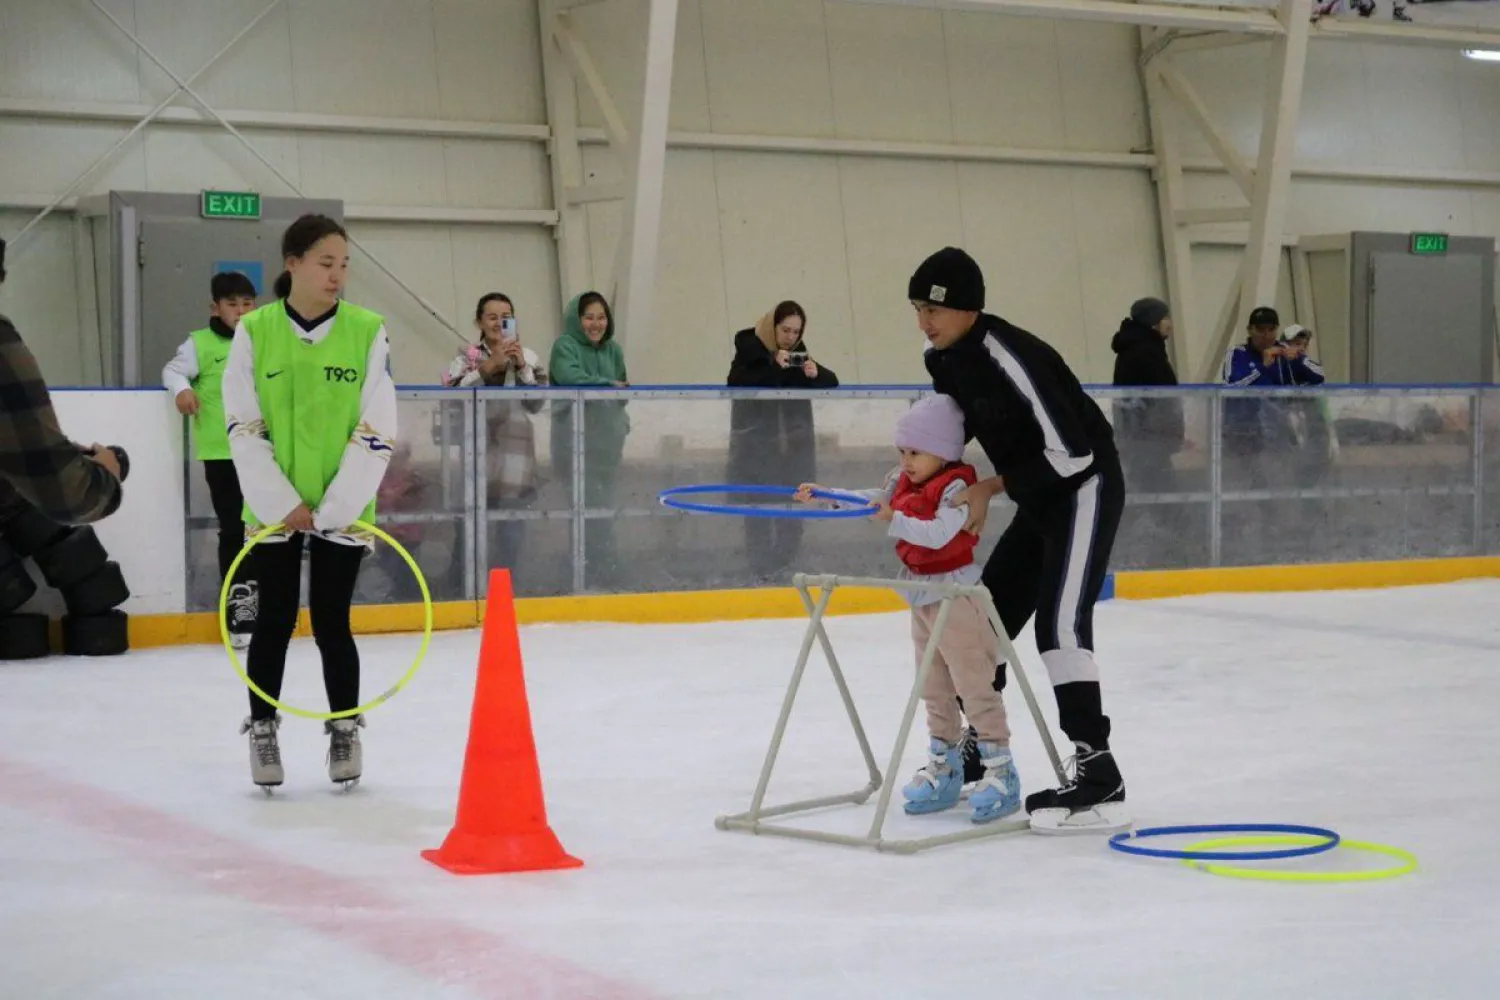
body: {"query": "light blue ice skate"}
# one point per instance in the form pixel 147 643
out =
pixel 937 786
pixel 998 793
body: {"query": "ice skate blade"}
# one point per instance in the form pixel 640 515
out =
pixel 347 786
pixel 268 790
pixel 1107 817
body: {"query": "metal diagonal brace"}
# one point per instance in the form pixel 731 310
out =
pixel 187 88
pixel 149 117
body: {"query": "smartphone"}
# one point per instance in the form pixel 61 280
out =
pixel 508 328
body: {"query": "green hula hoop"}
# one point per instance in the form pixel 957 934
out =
pixel 303 713
pixel 1408 860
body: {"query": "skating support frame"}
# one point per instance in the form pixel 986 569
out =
pixel 754 820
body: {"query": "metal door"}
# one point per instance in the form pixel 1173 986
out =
pixel 177 258
pixel 1427 319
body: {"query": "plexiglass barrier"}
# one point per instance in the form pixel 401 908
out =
pixel 560 485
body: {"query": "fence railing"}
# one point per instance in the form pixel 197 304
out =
pixel 560 485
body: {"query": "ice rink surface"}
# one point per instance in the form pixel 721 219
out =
pixel 138 863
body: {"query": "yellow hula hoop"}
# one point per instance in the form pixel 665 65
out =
pixel 1408 860
pixel 303 713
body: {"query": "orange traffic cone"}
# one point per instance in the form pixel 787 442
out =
pixel 502 820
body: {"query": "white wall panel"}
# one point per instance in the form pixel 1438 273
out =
pixel 1019 225
pixel 693 337
pixel 888 73
pixel 365 57
pixel 896 212
pixel 67 52
pixel 254 75
pixel 42 158
pixel 489 60
pixel 768 67
pixel 388 170
pixel 1006 88
pixel 37 298
pixel 496 174
pixel 179 159
pixel 1103 103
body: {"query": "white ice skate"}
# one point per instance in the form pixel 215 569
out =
pixel 346 759
pixel 265 752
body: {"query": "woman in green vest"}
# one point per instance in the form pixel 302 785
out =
pixel 195 379
pixel 587 354
pixel 311 414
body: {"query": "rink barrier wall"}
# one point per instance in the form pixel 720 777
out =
pixel 687 607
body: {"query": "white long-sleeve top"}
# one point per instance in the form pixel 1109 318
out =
pixel 180 373
pixel 268 493
pixel 929 534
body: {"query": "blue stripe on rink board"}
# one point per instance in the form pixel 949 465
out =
pixel 1107 592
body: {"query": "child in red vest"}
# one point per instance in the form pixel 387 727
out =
pixel 916 502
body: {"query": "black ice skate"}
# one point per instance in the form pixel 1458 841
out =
pixel 1093 802
pixel 242 609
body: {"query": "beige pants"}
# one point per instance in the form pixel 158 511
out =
pixel 962 667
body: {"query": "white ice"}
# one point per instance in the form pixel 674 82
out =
pixel 137 862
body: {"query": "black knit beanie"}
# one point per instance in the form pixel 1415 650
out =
pixel 949 278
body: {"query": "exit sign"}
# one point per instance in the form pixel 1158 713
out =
pixel 231 205
pixel 1426 243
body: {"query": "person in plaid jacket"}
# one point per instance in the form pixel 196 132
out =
pixel 39 465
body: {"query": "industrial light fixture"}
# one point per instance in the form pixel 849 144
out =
pixel 1483 55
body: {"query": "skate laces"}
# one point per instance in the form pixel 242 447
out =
pixel 246 603
pixel 341 745
pixel 263 741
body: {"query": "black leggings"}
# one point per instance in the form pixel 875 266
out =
pixel 332 571
pixel 229 508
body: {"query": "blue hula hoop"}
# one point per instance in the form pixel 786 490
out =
pixel 671 498
pixel 1331 841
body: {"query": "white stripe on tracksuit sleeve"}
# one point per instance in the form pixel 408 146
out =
pixel 369 449
pixel 180 372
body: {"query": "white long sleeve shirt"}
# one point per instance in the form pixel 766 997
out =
pixel 929 534
pixel 268 493
pixel 180 373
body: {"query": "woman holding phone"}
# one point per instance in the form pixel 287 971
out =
pixel 499 357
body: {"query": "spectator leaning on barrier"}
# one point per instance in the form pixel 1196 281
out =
pixel 39 465
pixel 1148 430
pixel 772 440
pixel 587 354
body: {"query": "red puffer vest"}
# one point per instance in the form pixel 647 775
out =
pixel 922 502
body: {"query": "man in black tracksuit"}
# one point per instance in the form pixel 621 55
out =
pixel 1054 454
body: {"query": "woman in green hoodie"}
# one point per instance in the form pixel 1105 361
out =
pixel 588 354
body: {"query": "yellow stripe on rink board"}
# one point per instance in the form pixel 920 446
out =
pixel 1144 585
pixel 782 602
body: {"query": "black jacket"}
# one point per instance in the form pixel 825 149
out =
pixel 771 440
pixel 1040 430
pixel 1154 422
pixel 1141 356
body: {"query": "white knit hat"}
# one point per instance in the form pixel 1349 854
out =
pixel 934 424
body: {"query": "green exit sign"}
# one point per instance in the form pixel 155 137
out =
pixel 231 205
pixel 1425 243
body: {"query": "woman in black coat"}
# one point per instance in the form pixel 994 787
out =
pixel 771 440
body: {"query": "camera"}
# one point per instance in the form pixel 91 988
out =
pixel 796 357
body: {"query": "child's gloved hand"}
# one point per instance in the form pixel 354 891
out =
pixel 804 493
